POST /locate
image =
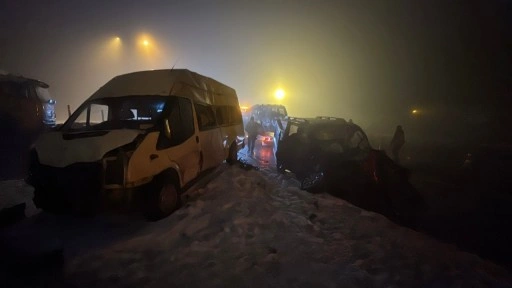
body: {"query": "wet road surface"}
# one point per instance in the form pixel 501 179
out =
pixel 263 156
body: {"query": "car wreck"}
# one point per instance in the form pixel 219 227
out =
pixel 137 142
pixel 334 155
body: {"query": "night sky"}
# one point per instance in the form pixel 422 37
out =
pixel 372 61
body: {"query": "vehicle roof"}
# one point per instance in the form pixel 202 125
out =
pixel 318 120
pixel 322 120
pixel 20 79
pixel 267 105
pixel 312 124
pixel 167 82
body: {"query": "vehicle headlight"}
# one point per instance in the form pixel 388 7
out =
pixel 115 162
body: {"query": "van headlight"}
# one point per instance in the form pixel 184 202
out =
pixel 115 162
pixel 115 169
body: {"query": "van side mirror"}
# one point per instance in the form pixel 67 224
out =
pixel 167 128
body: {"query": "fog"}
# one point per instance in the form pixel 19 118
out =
pixel 370 61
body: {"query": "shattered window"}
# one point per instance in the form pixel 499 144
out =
pixel 205 116
pixel 359 140
pixel 293 129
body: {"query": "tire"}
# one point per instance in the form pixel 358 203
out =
pixel 43 202
pixel 164 197
pixel 233 154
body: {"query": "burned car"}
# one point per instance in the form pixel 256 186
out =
pixel 317 141
pixel 334 155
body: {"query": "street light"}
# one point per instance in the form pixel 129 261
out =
pixel 279 94
pixel 148 50
pixel 114 42
pixel 110 49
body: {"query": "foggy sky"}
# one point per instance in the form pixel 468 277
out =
pixel 372 61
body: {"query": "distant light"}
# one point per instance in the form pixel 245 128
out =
pixel 414 111
pixel 112 48
pixel 145 42
pixel 279 94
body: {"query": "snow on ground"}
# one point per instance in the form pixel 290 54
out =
pixel 14 192
pixel 248 228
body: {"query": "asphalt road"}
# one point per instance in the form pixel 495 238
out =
pixel 263 156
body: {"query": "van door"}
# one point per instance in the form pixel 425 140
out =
pixel 210 138
pixel 182 146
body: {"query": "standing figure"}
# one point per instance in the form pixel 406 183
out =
pixel 397 142
pixel 252 129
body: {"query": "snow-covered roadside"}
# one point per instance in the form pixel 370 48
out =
pixel 14 192
pixel 257 229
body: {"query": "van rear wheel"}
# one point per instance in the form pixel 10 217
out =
pixel 164 197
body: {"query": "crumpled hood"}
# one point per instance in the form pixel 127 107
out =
pixel 54 150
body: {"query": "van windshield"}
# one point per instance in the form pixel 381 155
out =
pixel 127 112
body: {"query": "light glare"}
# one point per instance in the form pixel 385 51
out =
pixel 279 94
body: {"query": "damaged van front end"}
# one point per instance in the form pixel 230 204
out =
pixel 85 165
pixel 153 132
pixel 84 186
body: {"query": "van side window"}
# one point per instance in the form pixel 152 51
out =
pixel 181 122
pixel 223 114
pixel 205 117
pixel 228 115
pixel 220 114
pixel 235 115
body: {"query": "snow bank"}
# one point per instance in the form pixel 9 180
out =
pixel 258 229
pixel 14 192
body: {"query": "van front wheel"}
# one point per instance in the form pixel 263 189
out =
pixel 164 198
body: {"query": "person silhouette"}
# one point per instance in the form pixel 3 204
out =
pixel 396 143
pixel 252 129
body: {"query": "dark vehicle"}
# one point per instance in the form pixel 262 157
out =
pixel 272 118
pixel 327 153
pixel 26 110
pixel 27 101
